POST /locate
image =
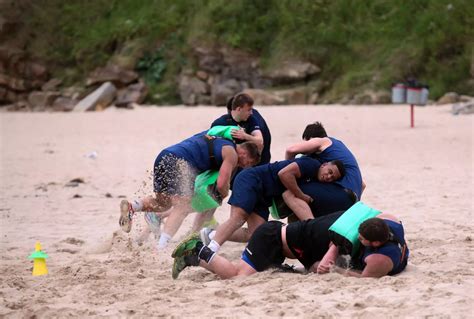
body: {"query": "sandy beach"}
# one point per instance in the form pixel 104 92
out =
pixel 424 175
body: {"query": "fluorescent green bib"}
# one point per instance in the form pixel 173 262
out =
pixel 204 197
pixel 223 131
pixel 344 233
pixel 279 209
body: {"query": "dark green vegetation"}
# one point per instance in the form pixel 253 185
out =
pixel 358 44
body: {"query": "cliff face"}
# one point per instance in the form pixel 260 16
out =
pixel 10 19
pixel 20 72
pixel 202 52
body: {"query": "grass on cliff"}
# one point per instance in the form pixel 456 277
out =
pixel 358 44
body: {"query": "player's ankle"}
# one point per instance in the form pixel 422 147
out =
pixel 204 252
pixel 214 246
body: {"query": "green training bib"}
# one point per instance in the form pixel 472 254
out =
pixel 279 209
pixel 344 233
pixel 223 131
pixel 206 196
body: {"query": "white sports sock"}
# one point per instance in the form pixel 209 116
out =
pixel 137 205
pixel 214 246
pixel 164 239
pixel 212 234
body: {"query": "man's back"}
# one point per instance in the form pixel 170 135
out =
pixel 338 151
pixel 195 150
pixel 268 174
pixel 309 239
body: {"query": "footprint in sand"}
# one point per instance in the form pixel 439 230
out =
pixel 73 241
pixel 118 242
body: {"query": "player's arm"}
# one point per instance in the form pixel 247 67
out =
pixel 377 265
pixel 328 260
pixel 229 163
pixel 313 145
pixel 288 176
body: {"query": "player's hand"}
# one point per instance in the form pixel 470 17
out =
pixel 324 268
pixel 308 199
pixel 221 196
pixel 239 134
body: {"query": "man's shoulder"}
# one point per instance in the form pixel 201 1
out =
pixel 379 259
pixel 225 119
pixel 228 151
pixel 305 158
pixel 337 144
pixel 307 161
pixel 225 143
pixel 390 217
pixel 256 115
pixel 251 124
pixel 277 164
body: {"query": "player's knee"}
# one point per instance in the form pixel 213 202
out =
pixel 237 221
pixel 161 202
pixel 288 196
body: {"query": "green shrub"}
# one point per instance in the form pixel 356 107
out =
pixel 354 42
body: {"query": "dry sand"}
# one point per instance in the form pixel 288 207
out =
pixel 424 175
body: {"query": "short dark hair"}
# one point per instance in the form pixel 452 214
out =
pixel 229 104
pixel 252 149
pixel 239 100
pixel 375 229
pixel 340 167
pixel 315 129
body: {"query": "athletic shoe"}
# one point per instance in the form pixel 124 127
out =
pixel 154 223
pixel 180 263
pixel 204 235
pixel 126 215
pixel 186 246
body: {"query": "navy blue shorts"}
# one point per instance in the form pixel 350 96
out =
pixel 247 194
pixel 173 175
pixel 327 197
pixel 265 248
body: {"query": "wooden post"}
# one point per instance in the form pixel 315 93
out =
pixel 412 116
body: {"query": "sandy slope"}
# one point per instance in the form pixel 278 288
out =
pixel 424 175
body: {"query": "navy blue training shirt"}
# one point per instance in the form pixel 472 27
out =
pixel 254 122
pixel 269 174
pixel 195 151
pixel 338 151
